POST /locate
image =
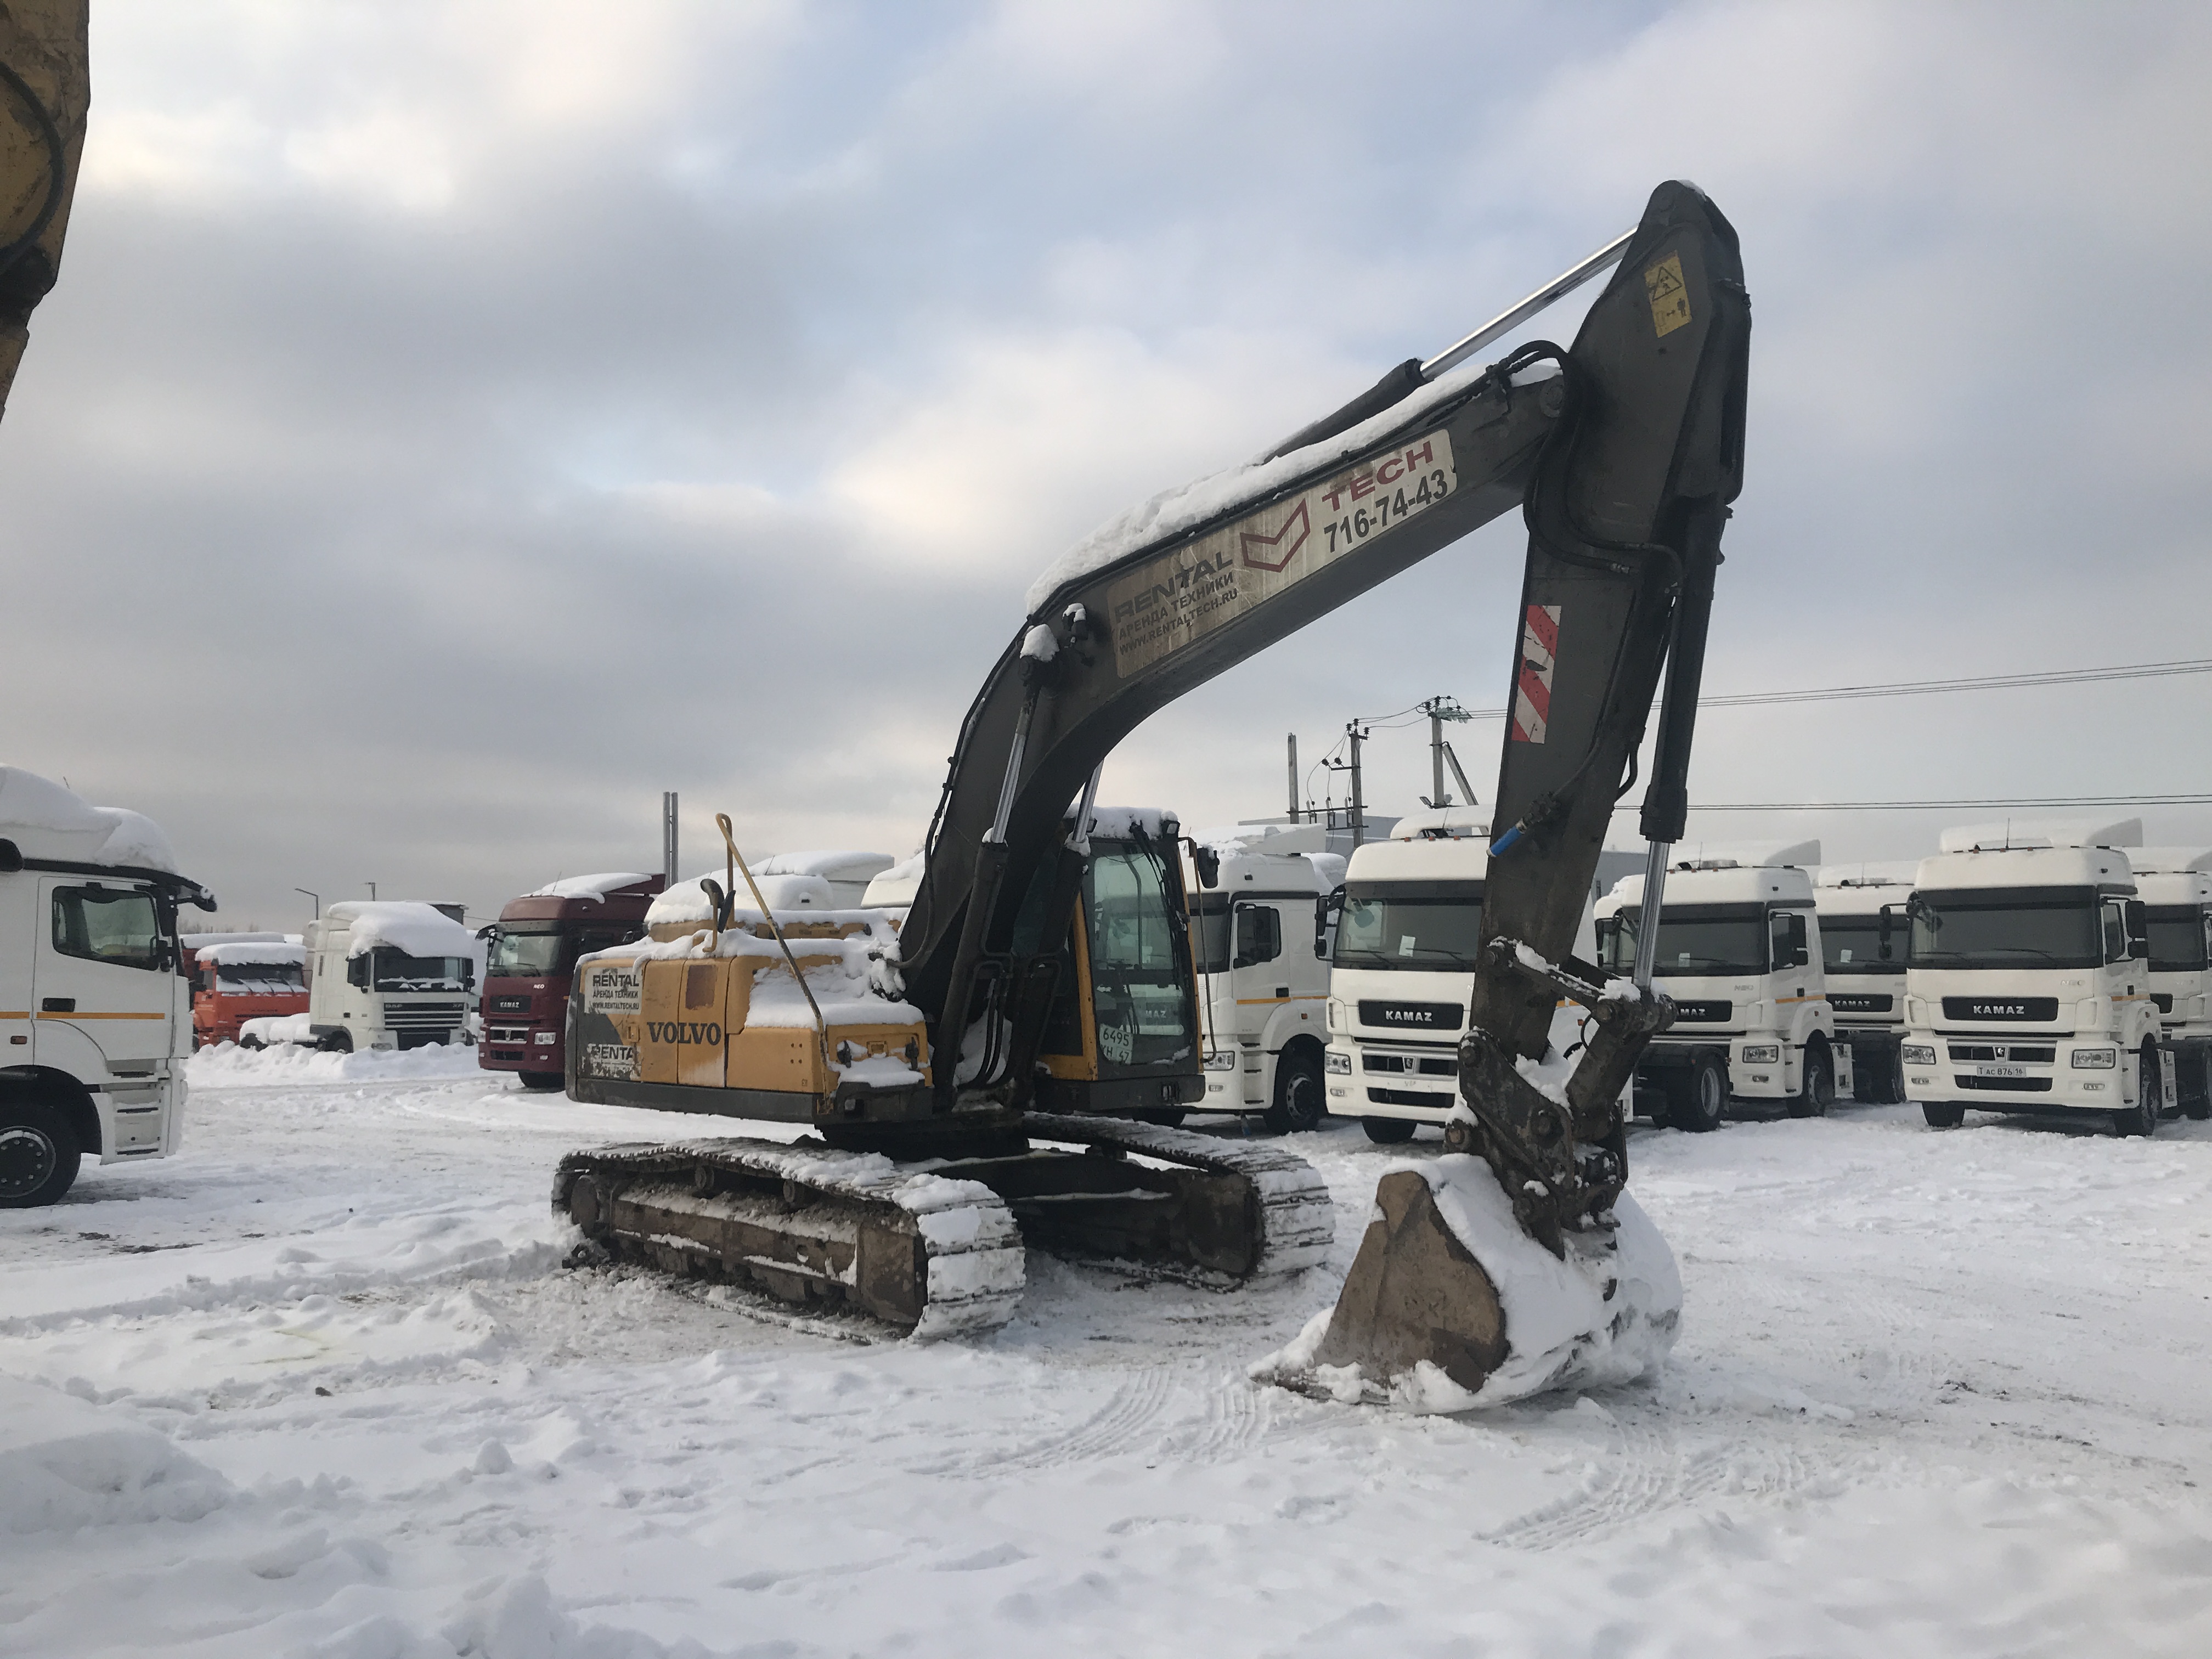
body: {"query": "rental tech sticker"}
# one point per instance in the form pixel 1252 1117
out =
pixel 1185 594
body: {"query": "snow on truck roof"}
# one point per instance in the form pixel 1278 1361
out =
pixel 831 865
pixel 594 889
pixel 46 820
pixel 1443 823
pixel 2036 834
pixel 250 951
pixel 409 926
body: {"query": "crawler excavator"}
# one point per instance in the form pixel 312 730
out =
pixel 1037 997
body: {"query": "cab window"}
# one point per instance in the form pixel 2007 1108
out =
pixel 117 926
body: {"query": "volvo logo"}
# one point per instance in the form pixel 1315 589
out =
pixel 2000 1052
pixel 707 1033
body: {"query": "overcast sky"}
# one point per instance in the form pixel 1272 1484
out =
pixel 459 421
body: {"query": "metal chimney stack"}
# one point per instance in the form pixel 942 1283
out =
pixel 668 837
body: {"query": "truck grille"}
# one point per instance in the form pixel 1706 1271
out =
pixel 414 1016
pixel 1431 1067
pixel 2029 1009
pixel 507 1034
pixel 1435 1102
pixel 2028 1054
pixel 2018 1085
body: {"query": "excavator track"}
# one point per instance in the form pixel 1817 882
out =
pixel 929 1256
pixel 935 1250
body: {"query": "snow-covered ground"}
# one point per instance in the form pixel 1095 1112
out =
pixel 319 1386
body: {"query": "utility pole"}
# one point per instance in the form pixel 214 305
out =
pixel 1294 777
pixel 372 890
pixel 1358 734
pixel 1440 709
pixel 668 837
pixel 318 898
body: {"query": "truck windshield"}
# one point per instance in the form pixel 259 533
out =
pixel 2007 927
pixel 1431 925
pixel 395 970
pixel 538 950
pixel 1696 941
pixel 1853 944
pixel 2177 938
pixel 1138 979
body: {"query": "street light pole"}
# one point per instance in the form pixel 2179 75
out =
pixel 318 898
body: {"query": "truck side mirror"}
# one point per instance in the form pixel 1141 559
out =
pixel 1326 913
pixel 1888 928
pixel 1208 862
pixel 2138 929
pixel 11 858
pixel 1800 952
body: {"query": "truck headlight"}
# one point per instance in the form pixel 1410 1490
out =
pixel 2095 1060
pixel 1340 1064
pixel 1762 1053
pixel 1221 1060
pixel 1917 1053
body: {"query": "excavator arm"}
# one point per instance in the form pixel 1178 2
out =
pixel 1622 453
pixel 45 91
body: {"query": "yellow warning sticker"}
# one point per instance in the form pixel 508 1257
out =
pixel 1670 294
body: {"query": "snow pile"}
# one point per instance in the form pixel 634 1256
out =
pixel 46 821
pixel 226 1065
pixel 591 889
pixel 833 864
pixel 64 1464
pixel 407 925
pixel 1172 512
pixel 894 890
pixel 1605 1316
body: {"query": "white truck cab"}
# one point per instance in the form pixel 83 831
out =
pixel 1402 972
pixel 398 974
pixel 95 1019
pixel 2176 886
pixel 1864 930
pixel 1739 951
pixel 2029 980
pixel 1259 943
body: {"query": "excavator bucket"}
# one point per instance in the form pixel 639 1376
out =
pixel 1517 1262
pixel 1450 1305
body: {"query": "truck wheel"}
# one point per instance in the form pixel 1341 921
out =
pixel 39 1156
pixel 1388 1131
pixel 252 1042
pixel 2142 1118
pixel 338 1042
pixel 542 1080
pixel 1943 1114
pixel 1817 1085
pixel 1699 1096
pixel 1300 1099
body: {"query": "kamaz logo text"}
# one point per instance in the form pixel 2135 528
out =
pixel 707 1033
pixel 2018 1010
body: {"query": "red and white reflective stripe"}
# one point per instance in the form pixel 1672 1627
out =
pixel 1532 689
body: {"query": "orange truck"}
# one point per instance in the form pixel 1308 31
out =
pixel 240 980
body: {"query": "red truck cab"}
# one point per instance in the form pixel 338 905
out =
pixel 240 981
pixel 534 947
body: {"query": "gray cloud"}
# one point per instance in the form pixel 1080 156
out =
pixel 457 423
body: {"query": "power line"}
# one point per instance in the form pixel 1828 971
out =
pixel 2012 803
pixel 2142 671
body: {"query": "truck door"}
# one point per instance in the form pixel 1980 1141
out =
pixel 19 899
pixel 105 989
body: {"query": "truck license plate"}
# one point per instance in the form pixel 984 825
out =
pixel 2001 1071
